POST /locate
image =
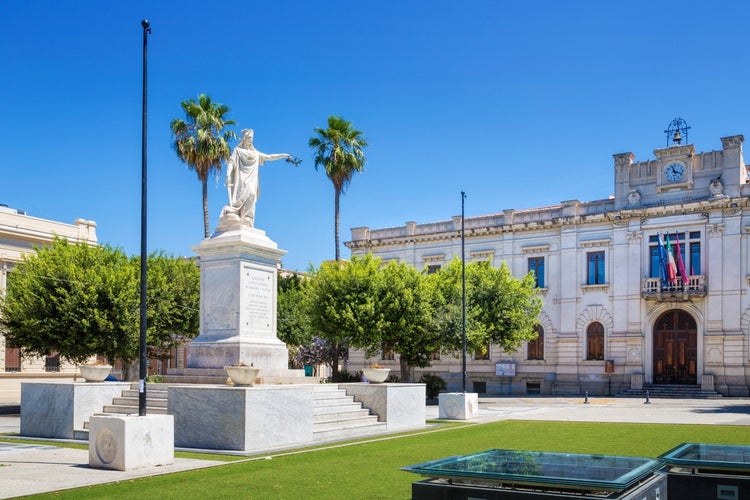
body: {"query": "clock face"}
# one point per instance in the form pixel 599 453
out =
pixel 674 172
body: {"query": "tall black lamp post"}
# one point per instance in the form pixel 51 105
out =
pixel 463 295
pixel 144 248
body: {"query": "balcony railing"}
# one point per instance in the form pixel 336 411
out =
pixel 693 286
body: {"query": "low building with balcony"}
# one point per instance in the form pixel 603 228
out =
pixel 613 318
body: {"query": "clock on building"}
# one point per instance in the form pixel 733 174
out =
pixel 674 172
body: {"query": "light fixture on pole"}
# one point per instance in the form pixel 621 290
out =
pixel 463 296
pixel 143 360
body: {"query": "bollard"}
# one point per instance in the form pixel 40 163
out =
pixel 648 401
pixel 586 401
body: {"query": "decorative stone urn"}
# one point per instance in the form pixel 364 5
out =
pixel 242 376
pixel 95 373
pixel 376 375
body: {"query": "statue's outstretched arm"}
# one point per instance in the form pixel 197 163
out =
pixel 272 157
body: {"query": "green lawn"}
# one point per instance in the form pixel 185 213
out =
pixel 371 469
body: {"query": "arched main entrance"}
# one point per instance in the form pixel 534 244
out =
pixel 675 348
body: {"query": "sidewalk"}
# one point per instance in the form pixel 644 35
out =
pixel 30 469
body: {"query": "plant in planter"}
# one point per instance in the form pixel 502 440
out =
pixel 376 373
pixel 242 375
pixel 95 372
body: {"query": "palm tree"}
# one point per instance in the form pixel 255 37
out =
pixel 202 141
pixel 339 149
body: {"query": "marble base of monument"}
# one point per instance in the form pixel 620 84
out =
pixel 242 418
pixel 57 409
pixel 400 406
pixel 124 442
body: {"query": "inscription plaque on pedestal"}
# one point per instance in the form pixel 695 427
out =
pixel 258 293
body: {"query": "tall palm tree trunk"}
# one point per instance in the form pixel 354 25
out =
pixel 204 187
pixel 336 222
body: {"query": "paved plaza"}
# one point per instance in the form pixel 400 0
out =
pixel 29 469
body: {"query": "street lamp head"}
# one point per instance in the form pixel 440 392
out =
pixel 146 25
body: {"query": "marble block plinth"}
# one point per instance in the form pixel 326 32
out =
pixel 458 405
pixel 242 418
pixel 122 442
pixel 238 302
pixel 56 409
pixel 400 406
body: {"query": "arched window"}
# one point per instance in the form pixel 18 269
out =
pixel 535 348
pixel 595 341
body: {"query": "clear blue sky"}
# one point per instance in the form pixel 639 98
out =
pixel 520 104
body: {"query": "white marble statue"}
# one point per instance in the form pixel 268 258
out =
pixel 242 179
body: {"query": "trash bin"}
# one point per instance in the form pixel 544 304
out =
pixel 308 371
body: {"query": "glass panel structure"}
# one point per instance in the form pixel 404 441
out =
pixel 709 456
pixel 542 469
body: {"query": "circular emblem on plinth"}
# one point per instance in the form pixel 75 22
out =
pixel 106 446
pixel 452 408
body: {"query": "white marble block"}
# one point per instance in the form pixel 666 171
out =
pixel 242 418
pixel 458 405
pixel 56 409
pixel 122 442
pixel 400 406
pixel 238 303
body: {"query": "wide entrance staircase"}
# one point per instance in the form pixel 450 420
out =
pixel 336 416
pixel 670 391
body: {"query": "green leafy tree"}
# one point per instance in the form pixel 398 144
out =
pixel 82 300
pixel 407 326
pixel 500 309
pixel 339 149
pixel 293 326
pixel 202 141
pixel 173 302
pixel 76 299
pixel 341 301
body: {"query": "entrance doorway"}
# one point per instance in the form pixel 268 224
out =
pixel 675 349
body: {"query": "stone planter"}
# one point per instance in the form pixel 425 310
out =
pixel 94 373
pixel 242 376
pixel 376 375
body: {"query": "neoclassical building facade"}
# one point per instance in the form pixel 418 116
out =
pixel 649 286
pixel 19 234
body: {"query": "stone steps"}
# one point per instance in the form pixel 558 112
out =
pixel 128 404
pixel 670 391
pixel 337 416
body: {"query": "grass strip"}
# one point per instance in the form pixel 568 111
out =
pixel 370 469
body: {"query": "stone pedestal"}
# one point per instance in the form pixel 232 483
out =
pixel 121 442
pixel 238 305
pixel 58 409
pixel 458 405
pixel 246 419
pixel 400 406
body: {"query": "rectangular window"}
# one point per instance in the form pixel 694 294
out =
pixel 536 264
pixel 654 261
pixel 595 268
pixel 436 356
pixel 433 268
pixel 480 387
pixel 482 353
pixel 695 258
pixel 690 250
